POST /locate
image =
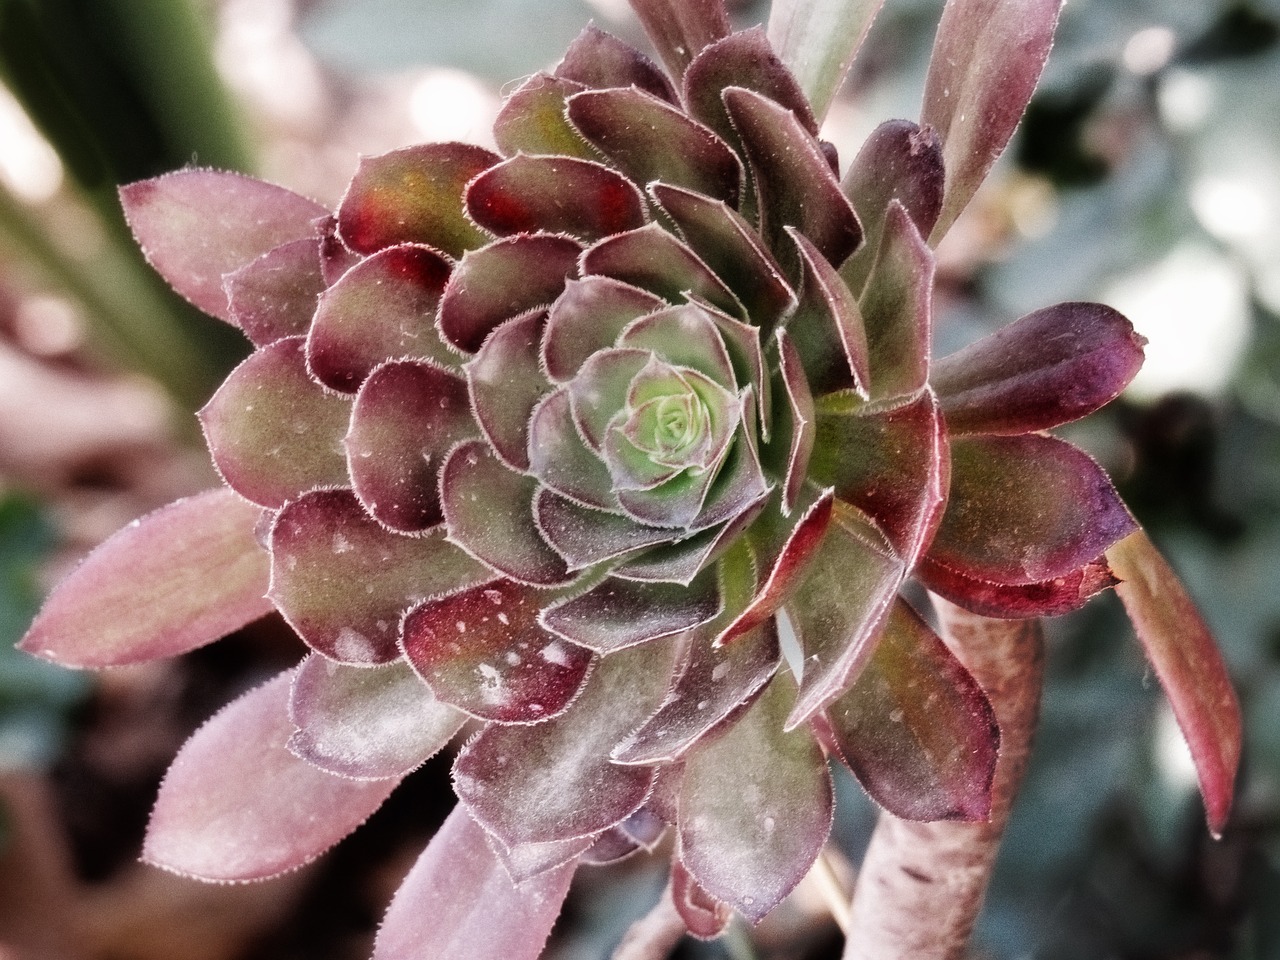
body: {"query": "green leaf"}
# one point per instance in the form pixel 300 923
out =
pixel 818 40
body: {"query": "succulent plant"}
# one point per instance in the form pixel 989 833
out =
pixel 572 442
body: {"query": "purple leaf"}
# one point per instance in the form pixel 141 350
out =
pixel 897 308
pixel 899 161
pixel 818 40
pixel 599 60
pixel 649 139
pixel 1048 368
pixel 407 416
pixel 987 59
pixel 524 861
pixel 793 179
pixel 561 460
pixel 489 512
pixel 458 902
pixel 916 728
pixel 237 805
pixel 587 318
pixel 1026 509
pixel 555 194
pixel 483 651
pixel 612 846
pixel 272 430
pixel 704 916
pixel 194 226
pixel 381 309
pixel 827 326
pixel 532 120
pixel 585 536
pixel 620 613
pixel 1181 649
pixel 343 581
pixel 554 781
pixel 413 195
pixel 755 807
pixel 275 295
pixel 506 383
pixel 680 29
pixel 366 724
pixel 504 280
pixel 170 582
pixel 1046 598
pixel 335 257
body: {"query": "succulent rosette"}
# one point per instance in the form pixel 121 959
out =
pixel 574 440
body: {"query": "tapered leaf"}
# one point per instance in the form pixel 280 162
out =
pixel 619 613
pixel 275 295
pixel 532 120
pixel 818 40
pixel 680 29
pixel 652 259
pixel 1191 670
pixel 798 438
pixel 987 59
pixel 755 807
pixel 586 536
pixel 237 805
pixel 599 60
pixel 897 308
pixel 916 728
pixel 506 383
pixel 459 902
pixel 1016 601
pixel 827 327
pixel 178 578
pixel 195 226
pixel 366 724
pixel 1048 368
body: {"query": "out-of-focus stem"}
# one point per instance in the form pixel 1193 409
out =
pixel 921 885
pixel 655 935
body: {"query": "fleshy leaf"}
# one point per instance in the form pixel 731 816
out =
pixel 483 651
pixel 525 861
pixel 755 807
pixel 598 60
pixel 175 580
pixel 343 581
pixel 1048 368
pixel 621 613
pixel 1026 509
pixel 1191 670
pixel 827 327
pixel 194 226
pixel 588 317
pixel 532 120
pixel 704 916
pixel 489 513
pixel 794 180
pixel 504 280
pixel 367 724
pixel 897 308
pixel 986 61
pixel 612 846
pixel 459 902
pixel 413 195
pixel 916 728
pixel 1046 598
pixel 680 29
pixel 275 295
pixel 272 430
pixel 797 441
pixel 840 607
pixel 237 805
pixel 684 336
pixel 818 40
pixel 381 309
pixel 899 161
pixel 554 781
pixel 561 460
pixel 336 258
pixel 649 140
pixel 600 390
pixel 557 195
pixel 407 417
pixel 586 536
pixel 506 384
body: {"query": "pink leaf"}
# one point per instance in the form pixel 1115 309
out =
pixel 621 613
pixel 1045 598
pixel 275 295
pixel 237 805
pixel 704 916
pixel 506 383
pixel 173 581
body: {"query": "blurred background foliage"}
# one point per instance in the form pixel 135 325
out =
pixel 1146 175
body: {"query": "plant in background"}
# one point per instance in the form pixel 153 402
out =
pixel 622 445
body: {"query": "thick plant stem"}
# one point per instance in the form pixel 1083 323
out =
pixel 655 935
pixel 921 885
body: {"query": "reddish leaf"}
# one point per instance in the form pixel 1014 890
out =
pixel 413 195
pixel 195 226
pixel 275 295
pixel 680 29
pixel 459 902
pixel 587 318
pixel 1047 598
pixel 366 724
pixel 1181 649
pixel 483 651
pixel 916 728
pixel 598 60
pixel 755 807
pixel 561 460
pixel 585 536
pixel 237 805
pixel 798 436
pixel 335 257
pixel 827 326
pixel 381 309
pixel 343 581
pixel 1048 368
pixel 987 59
pixel 272 430
pixel 897 308
pixel 407 416
pixel 506 383
pixel 554 781
pixel 620 613
pixel 504 280
pixel 704 916
pixel 1026 509
pixel 170 582
pixel 532 120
